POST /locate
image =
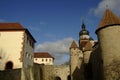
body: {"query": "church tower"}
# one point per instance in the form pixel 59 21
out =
pixel 84 37
pixel 85 42
pixel 76 58
pixel 108 33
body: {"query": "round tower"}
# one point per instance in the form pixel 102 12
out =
pixel 108 36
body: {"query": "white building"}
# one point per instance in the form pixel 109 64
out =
pixel 16 46
pixel 43 58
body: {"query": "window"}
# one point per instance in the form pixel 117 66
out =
pixel 9 65
pixel 50 60
pixel 42 59
pixel 26 55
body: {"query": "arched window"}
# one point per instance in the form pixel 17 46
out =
pixel 57 78
pixel 9 65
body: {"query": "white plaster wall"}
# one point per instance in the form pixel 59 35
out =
pixel 10 48
pixel 48 62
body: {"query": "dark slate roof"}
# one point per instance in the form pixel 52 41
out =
pixel 42 55
pixel 109 18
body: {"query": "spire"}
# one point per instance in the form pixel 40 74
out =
pixel 83 31
pixel 83 25
pixel 73 45
pixel 109 18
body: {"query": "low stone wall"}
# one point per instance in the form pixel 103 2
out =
pixel 10 74
pixel 48 72
pixel 38 71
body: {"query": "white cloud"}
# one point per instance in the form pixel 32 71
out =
pixel 113 5
pixel 59 49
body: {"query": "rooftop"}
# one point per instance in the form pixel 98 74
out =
pixel 42 55
pixel 73 45
pixel 109 18
pixel 9 26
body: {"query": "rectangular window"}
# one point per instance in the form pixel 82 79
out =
pixel 42 59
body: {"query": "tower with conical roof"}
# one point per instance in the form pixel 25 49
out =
pixel 108 36
pixel 76 58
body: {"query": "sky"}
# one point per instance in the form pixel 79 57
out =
pixel 56 23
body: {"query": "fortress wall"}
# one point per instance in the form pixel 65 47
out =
pixel 10 74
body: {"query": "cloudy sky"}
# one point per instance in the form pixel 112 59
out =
pixel 55 23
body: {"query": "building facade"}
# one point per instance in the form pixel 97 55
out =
pixel 16 46
pixel 43 58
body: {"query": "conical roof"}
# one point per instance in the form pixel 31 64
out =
pixel 109 18
pixel 88 46
pixel 73 45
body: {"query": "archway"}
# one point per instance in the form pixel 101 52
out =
pixel 57 78
pixel 68 78
pixel 9 65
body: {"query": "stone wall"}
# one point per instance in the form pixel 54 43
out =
pixel 38 71
pixel 110 47
pixel 10 74
pixel 27 73
pixel 48 72
pixel 95 65
pixel 62 72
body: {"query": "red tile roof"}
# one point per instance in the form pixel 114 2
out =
pixel 9 26
pixel 14 26
pixel 42 55
pixel 83 43
pixel 88 46
pixel 109 18
pixel 73 45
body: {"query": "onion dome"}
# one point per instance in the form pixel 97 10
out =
pixel 83 31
